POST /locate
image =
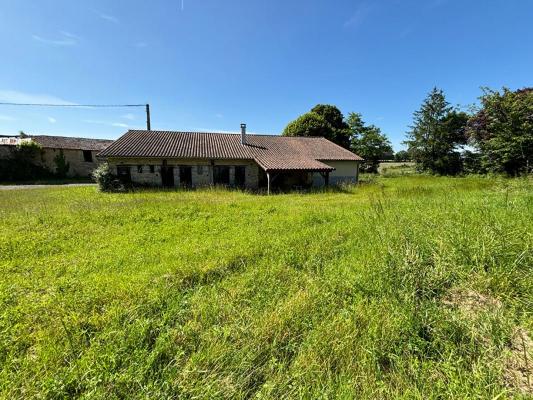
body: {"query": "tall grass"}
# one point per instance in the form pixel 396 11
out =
pixel 216 294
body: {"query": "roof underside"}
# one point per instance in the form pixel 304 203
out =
pixel 270 152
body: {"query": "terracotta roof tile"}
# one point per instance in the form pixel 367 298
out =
pixel 269 151
pixel 73 143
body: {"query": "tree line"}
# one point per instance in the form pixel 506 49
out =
pixel 494 136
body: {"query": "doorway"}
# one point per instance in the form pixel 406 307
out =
pixel 221 175
pixel 167 176
pixel 186 177
pixel 240 176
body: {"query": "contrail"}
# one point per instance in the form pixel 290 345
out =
pixel 182 5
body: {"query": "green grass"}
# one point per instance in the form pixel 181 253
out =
pixel 215 294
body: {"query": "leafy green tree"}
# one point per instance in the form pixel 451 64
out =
pixel 437 131
pixel 401 156
pixel 309 124
pixel 502 131
pixel 368 142
pixel 323 120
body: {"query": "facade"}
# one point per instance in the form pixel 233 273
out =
pixel 196 159
pixel 79 153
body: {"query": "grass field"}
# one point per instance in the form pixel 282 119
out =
pixel 407 287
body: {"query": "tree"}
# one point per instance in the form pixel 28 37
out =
pixel 502 131
pixel 323 120
pixel 309 124
pixel 368 142
pixel 437 131
pixel 335 119
pixel 401 156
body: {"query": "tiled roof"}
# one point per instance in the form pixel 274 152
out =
pixel 72 143
pixel 269 151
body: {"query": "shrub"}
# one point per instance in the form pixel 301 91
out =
pixel 62 166
pixel 107 182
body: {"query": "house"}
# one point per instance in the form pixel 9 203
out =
pixel 194 159
pixel 79 153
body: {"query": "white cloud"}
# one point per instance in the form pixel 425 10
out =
pixel 52 120
pixel 359 16
pixel 129 116
pixel 14 96
pixel 109 18
pixel 100 122
pixel 64 39
pixel 6 118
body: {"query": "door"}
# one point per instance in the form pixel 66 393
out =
pixel 167 176
pixel 240 176
pixel 124 173
pixel 186 177
pixel 221 175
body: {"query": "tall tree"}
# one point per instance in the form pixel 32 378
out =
pixel 323 120
pixel 309 124
pixel 437 131
pixel 368 142
pixel 502 131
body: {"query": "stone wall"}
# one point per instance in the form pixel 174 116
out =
pixel 78 165
pixel 201 171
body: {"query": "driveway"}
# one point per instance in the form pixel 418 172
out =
pixel 17 187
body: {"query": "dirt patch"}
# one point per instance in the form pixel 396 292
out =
pixel 518 373
pixel 471 302
pixel 518 364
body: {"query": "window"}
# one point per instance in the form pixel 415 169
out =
pixel 140 169
pixel 152 169
pixel 87 156
pixel 200 169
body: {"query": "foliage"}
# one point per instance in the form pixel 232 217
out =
pixel 309 124
pixel 62 166
pixel 339 295
pixel 23 163
pixel 323 120
pixel 502 131
pixel 107 182
pixel 334 117
pixel 437 131
pixel 368 142
pixel 401 155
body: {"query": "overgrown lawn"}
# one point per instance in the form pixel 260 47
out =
pixel 220 294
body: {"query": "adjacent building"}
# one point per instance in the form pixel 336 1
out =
pixel 78 153
pixel 194 159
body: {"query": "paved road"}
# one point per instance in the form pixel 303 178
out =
pixel 18 187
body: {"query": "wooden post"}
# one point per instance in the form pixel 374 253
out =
pixel 148 124
pixel 268 182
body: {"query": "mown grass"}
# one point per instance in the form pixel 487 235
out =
pixel 215 294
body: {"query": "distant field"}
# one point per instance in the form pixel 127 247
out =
pixel 412 287
pixel 396 168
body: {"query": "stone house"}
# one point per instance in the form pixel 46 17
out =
pixel 195 159
pixel 79 153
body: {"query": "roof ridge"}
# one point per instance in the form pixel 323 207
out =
pixel 227 133
pixel 69 137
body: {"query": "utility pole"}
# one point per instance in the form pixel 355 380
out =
pixel 148 127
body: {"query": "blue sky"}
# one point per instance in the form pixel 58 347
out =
pixel 212 64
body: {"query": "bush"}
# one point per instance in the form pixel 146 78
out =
pixel 107 182
pixel 23 164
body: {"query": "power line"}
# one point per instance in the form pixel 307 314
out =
pixel 147 107
pixel 72 105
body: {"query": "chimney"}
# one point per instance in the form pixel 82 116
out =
pixel 243 133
